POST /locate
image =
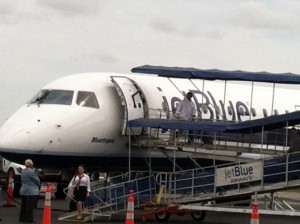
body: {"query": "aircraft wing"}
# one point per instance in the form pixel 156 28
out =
pixel 269 123
pixel 213 74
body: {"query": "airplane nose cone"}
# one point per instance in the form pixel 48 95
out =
pixel 13 136
pixel 16 132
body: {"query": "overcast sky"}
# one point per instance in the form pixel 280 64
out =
pixel 42 40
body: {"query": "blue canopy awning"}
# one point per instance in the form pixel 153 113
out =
pixel 214 74
pixel 269 123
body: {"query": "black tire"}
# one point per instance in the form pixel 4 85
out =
pixel 162 216
pixel 198 215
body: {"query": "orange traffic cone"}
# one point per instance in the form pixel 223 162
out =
pixel 254 214
pixel 130 209
pixel 47 206
pixel 9 191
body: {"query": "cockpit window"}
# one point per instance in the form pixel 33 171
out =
pixel 87 99
pixel 63 97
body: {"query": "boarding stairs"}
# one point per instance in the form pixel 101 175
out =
pixel 212 146
pixel 177 136
pixel 109 196
pixel 204 189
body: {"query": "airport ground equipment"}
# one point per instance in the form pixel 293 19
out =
pixel 261 149
pixel 130 209
pixel 46 219
pixel 218 187
pixel 198 190
pixel 9 191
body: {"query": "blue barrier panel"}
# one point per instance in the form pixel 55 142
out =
pixel 275 170
pixel 294 166
pixel 193 182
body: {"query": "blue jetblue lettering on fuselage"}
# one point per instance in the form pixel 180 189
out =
pixel 207 104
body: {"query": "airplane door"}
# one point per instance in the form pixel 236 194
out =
pixel 132 101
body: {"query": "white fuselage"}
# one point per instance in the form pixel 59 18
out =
pixel 40 129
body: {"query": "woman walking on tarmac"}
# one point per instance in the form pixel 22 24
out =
pixel 81 188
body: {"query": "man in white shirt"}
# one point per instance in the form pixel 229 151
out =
pixel 186 110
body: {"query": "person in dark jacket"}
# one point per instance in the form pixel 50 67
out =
pixel 29 192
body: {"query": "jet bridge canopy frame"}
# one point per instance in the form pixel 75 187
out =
pixel 214 74
pixel 238 75
pixel 250 126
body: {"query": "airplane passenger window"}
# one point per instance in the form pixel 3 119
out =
pixel 87 99
pixel 63 97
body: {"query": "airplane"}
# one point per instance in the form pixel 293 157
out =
pixel 83 118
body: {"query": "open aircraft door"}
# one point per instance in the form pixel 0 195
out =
pixel 132 101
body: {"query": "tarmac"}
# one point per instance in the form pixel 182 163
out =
pixel 10 214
